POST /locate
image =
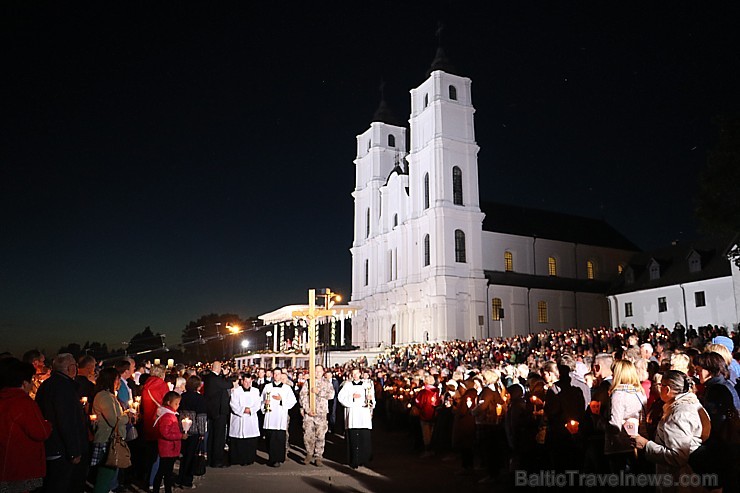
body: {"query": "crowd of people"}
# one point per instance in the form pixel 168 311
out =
pixel 596 400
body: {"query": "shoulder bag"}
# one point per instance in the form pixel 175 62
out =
pixel 119 455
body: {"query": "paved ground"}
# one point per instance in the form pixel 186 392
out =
pixel 395 467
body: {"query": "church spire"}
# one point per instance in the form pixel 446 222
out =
pixel 384 114
pixel 441 61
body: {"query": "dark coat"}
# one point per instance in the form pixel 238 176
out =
pixel 216 391
pixel 463 425
pixel 60 406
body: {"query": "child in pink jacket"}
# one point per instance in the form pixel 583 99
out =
pixel 169 441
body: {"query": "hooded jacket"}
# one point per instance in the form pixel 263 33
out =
pixel 167 425
pixel 679 433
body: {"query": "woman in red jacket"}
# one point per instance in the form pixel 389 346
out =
pixel 169 441
pixel 152 395
pixel 23 430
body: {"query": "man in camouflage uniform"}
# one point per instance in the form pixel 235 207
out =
pixel 315 425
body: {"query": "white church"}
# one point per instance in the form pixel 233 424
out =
pixel 431 262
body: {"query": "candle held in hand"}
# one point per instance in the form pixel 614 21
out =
pixel 186 424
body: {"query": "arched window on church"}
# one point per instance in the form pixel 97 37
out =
pixel 460 246
pixel 427 255
pixel 496 309
pixel 367 271
pixel 453 93
pixel 508 262
pixel 367 223
pixel 391 141
pixel 457 188
pixel 552 266
pixel 369 144
pixel 395 220
pixel 542 312
pixel 590 272
pixel 426 190
pixel 426 100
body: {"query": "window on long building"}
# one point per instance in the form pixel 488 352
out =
pixel 496 309
pixel 542 312
pixel 508 261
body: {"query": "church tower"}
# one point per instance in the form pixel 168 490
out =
pixel 417 272
pixel 443 164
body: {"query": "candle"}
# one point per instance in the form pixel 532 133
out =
pixel 137 398
pixel 156 361
pixel 572 426
pixel 170 363
pixel 470 402
pixel 83 400
pixel 93 417
pixel 130 403
pixel 186 423
pixel 595 407
pixel 631 426
pixel 499 409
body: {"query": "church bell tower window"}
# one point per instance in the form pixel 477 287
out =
pixel 427 256
pixel 426 190
pixel 460 246
pixel 457 188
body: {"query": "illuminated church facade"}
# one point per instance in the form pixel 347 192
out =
pixel 431 262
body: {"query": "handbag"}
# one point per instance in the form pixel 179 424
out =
pixel 201 458
pixel 119 455
pixel 131 433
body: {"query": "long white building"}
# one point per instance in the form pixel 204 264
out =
pixel 692 283
pixel 431 262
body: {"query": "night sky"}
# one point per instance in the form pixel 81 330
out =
pixel 161 163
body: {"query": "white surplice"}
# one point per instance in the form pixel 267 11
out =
pixel 243 425
pixel 357 414
pixel 277 417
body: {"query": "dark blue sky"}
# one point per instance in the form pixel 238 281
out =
pixel 160 163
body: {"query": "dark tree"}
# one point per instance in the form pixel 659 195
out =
pixel 718 204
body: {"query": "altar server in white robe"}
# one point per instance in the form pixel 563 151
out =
pixel 358 398
pixel 277 399
pixel 244 429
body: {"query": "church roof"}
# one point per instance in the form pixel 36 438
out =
pixel 674 265
pixel 546 282
pixel 523 221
